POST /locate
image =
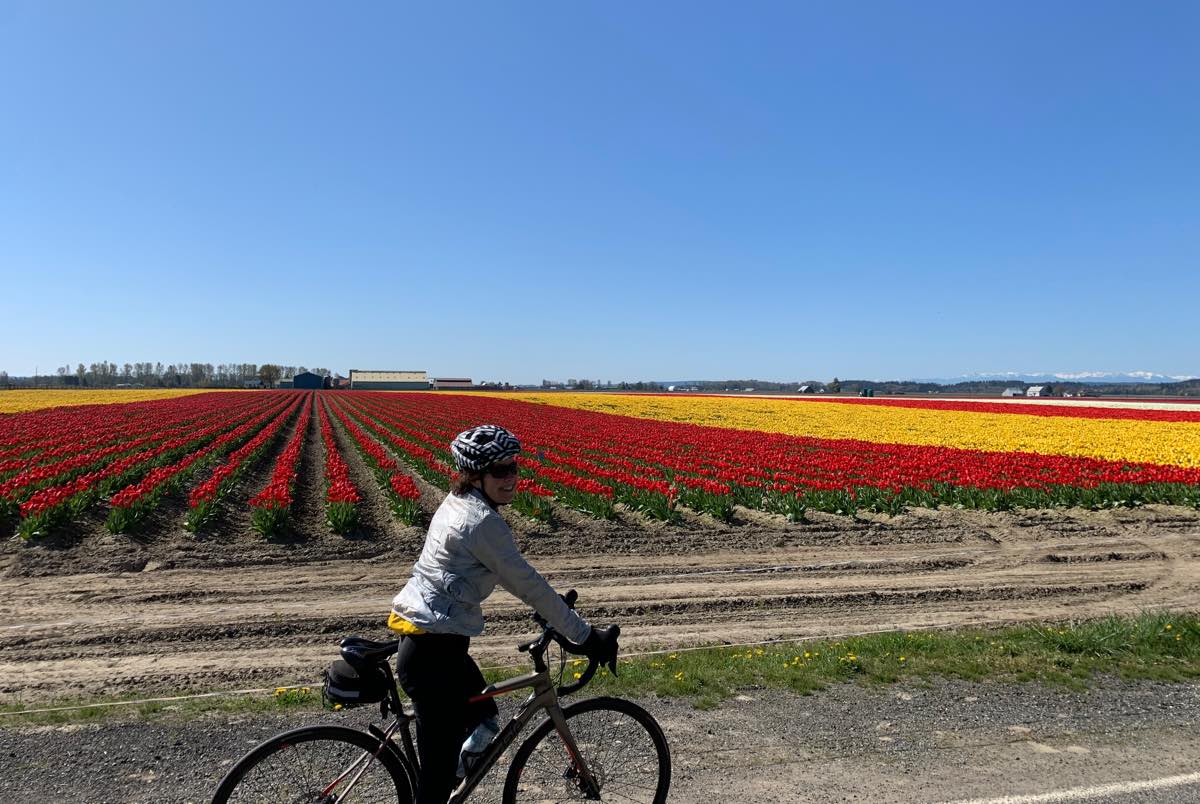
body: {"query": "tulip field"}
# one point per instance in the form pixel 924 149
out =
pixel 180 541
pixel 662 457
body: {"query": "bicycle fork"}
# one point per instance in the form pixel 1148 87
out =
pixel 583 777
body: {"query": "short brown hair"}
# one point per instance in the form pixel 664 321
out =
pixel 462 482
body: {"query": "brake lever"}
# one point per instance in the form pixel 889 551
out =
pixel 615 630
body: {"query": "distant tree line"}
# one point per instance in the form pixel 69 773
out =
pixel 157 375
pixel 596 385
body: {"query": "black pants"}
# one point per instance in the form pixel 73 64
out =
pixel 435 671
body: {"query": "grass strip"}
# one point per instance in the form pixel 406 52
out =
pixel 1154 646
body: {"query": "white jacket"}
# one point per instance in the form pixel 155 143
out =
pixel 469 548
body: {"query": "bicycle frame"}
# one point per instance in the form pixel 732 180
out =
pixel 543 697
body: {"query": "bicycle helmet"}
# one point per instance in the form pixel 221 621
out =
pixel 476 449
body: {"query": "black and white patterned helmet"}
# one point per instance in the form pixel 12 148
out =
pixel 476 449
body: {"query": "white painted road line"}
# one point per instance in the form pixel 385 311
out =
pixel 1085 793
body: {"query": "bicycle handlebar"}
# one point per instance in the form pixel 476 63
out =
pixel 537 648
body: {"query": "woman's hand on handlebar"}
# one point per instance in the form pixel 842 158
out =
pixel 601 646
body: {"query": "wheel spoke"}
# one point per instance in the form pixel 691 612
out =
pixel 618 749
pixel 299 768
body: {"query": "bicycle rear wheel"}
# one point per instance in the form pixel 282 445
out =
pixel 314 764
pixel 621 743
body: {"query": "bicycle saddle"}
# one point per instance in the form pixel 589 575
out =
pixel 360 651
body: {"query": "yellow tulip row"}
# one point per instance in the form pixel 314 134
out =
pixel 22 400
pixel 1170 443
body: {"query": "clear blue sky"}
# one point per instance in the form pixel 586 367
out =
pixel 661 190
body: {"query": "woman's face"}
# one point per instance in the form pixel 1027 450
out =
pixel 500 490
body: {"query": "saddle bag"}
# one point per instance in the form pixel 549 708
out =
pixel 350 686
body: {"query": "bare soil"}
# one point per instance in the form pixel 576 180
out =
pixel 92 614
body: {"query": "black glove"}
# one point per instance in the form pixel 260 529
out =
pixel 601 646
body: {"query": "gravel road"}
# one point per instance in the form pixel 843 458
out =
pixel 941 742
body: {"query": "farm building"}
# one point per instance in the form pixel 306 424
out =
pixel 284 384
pixel 253 382
pixel 1037 390
pixel 388 380
pixel 452 382
pixel 805 389
pixel 1013 392
pixel 308 380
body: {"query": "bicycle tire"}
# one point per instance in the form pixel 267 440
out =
pixel 266 774
pixel 608 731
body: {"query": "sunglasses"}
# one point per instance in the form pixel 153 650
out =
pixel 503 470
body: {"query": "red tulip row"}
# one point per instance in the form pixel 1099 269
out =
pixel 341 498
pixel 130 505
pixel 403 495
pixel 203 498
pixel 429 456
pixel 425 444
pixel 55 429
pixel 575 482
pixel 430 464
pixel 26 460
pixel 60 464
pixel 572 472
pixel 426 447
pixel 57 503
pixel 271 506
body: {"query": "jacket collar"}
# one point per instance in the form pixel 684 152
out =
pixel 483 498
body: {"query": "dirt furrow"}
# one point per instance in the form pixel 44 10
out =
pixel 265 623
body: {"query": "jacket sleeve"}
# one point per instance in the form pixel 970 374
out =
pixel 493 546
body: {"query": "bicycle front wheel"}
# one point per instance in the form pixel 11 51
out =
pixel 622 745
pixel 317 764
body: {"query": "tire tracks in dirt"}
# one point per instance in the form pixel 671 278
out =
pixel 215 626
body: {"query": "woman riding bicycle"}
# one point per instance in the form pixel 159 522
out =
pixel 468 550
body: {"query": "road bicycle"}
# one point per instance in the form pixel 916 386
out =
pixel 598 749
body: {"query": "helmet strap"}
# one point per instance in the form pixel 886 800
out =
pixel 492 503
